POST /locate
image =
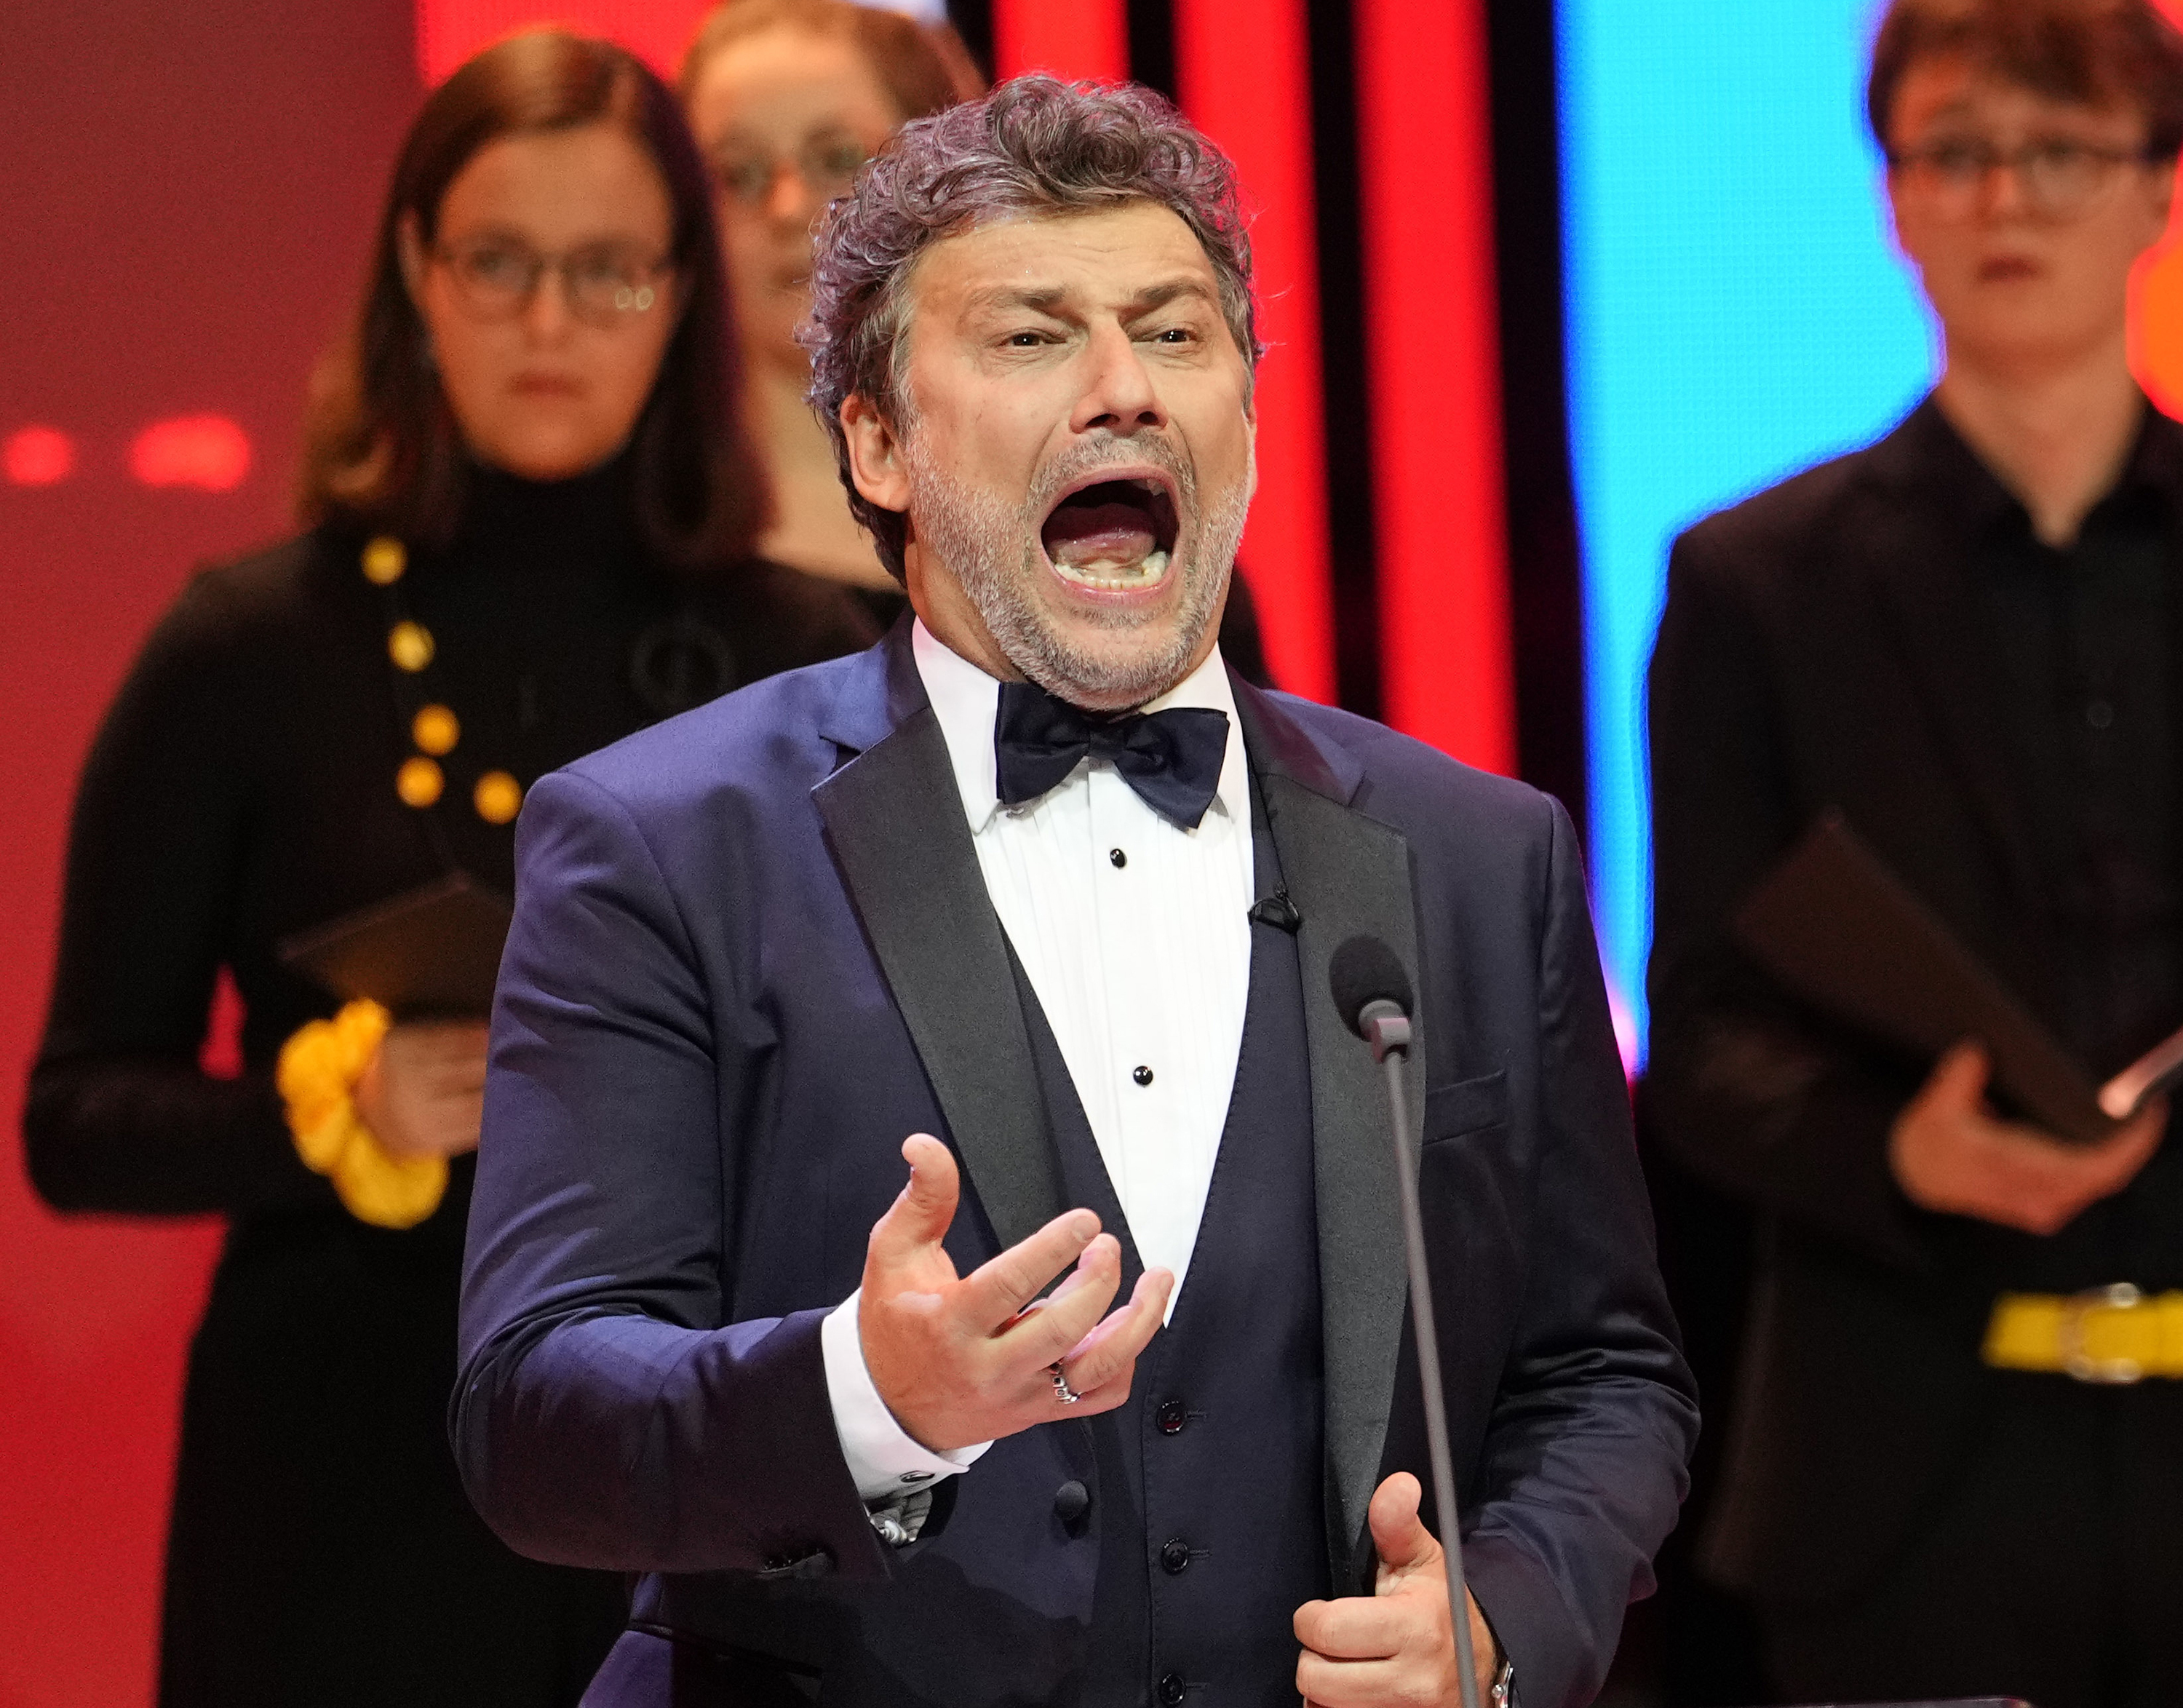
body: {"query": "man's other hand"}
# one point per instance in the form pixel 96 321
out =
pixel 1394 1648
pixel 959 1361
pixel 1951 1153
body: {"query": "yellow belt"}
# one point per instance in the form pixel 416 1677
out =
pixel 2112 1334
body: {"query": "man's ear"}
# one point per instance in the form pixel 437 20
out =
pixel 876 464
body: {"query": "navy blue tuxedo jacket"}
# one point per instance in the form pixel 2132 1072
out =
pixel 753 950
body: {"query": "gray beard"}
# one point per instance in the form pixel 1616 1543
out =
pixel 993 549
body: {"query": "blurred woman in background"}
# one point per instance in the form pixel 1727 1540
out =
pixel 788 99
pixel 531 506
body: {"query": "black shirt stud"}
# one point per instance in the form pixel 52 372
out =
pixel 1072 1504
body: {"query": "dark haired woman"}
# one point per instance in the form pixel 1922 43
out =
pixel 532 504
pixel 789 98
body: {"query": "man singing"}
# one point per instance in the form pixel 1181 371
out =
pixel 1036 897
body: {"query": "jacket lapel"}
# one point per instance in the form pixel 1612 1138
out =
pixel 937 939
pixel 1347 874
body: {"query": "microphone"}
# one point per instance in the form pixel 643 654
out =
pixel 1372 994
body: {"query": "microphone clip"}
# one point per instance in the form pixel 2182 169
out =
pixel 1278 911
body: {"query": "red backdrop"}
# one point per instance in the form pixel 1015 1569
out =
pixel 188 194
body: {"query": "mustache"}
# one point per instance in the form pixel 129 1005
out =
pixel 1089 456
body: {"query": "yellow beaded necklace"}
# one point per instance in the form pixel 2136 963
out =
pixel 433 727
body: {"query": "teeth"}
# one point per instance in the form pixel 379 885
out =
pixel 1109 575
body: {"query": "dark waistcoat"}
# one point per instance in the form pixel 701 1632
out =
pixel 1211 1513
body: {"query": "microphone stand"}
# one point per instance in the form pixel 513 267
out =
pixel 1387 1028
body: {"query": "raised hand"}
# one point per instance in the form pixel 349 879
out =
pixel 1951 1153
pixel 962 1360
pixel 1394 1648
pixel 423 1091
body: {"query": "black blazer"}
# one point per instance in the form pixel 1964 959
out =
pixel 1825 645
pixel 751 951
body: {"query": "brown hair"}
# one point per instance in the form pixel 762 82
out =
pixel 2102 53
pixel 382 448
pixel 922 67
pixel 1034 147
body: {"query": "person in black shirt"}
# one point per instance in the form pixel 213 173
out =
pixel 1969 640
pixel 533 501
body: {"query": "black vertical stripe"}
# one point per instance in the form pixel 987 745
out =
pixel 1337 181
pixel 1545 582
pixel 1152 44
pixel 974 22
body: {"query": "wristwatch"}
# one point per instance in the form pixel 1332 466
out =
pixel 1503 1694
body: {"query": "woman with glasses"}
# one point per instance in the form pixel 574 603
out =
pixel 531 504
pixel 788 98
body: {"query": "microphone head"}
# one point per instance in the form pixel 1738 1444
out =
pixel 1365 970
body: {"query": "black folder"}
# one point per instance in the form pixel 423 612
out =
pixel 430 952
pixel 1840 930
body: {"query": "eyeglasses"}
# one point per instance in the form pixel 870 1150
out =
pixel 2060 178
pixel 827 164
pixel 604 284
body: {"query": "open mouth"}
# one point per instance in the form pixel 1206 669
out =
pixel 1114 536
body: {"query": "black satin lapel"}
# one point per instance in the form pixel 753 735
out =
pixel 1348 874
pixel 1940 629
pixel 895 822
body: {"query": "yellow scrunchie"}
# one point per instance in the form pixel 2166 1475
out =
pixel 317 1075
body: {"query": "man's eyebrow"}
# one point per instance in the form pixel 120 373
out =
pixel 1154 297
pixel 1054 299
pixel 1045 299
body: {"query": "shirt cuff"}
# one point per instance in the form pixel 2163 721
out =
pixel 884 1461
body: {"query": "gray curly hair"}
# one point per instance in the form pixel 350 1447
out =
pixel 1034 147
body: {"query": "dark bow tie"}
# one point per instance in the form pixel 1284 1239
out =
pixel 1171 758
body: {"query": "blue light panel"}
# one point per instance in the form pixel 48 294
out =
pixel 1735 311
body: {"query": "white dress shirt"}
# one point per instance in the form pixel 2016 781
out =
pixel 1134 934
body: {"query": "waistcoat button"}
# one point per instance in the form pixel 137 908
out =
pixel 1172 1417
pixel 1171 1689
pixel 1071 1501
pixel 1175 1555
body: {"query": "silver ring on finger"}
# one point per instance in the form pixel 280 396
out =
pixel 1062 1391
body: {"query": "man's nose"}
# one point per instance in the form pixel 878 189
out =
pixel 1120 397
